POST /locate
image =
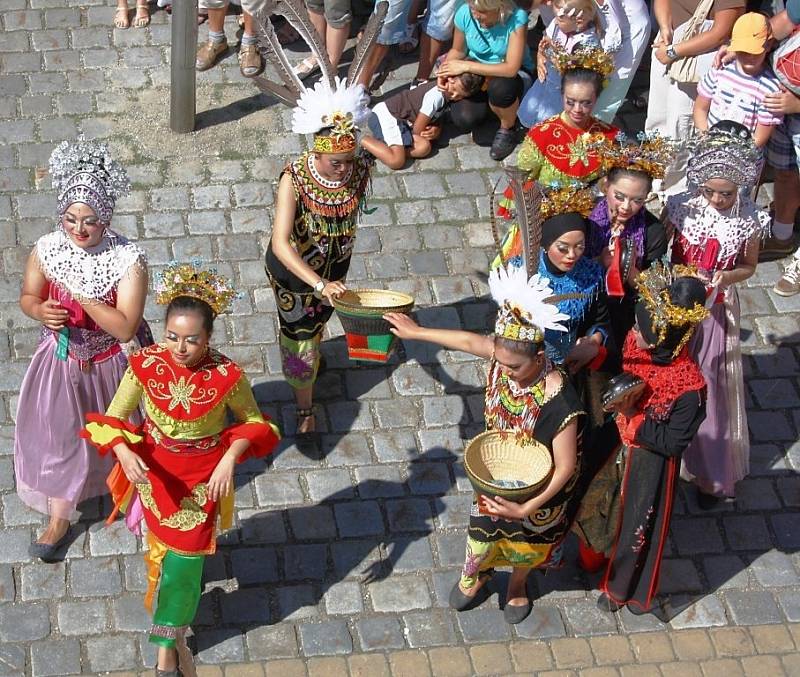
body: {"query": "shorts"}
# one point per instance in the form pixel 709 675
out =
pixel 338 13
pixel 387 128
pixel 394 26
pixel 438 22
pixel 212 4
pixel 783 148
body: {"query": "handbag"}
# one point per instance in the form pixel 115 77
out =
pixel 685 68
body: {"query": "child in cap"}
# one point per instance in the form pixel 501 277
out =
pixel 405 124
pixel 736 91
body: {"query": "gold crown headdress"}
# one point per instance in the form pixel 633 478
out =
pixel 591 58
pixel 525 307
pixel 189 279
pixel 562 200
pixel 653 286
pixel 651 153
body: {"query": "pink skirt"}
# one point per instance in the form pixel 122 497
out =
pixel 55 469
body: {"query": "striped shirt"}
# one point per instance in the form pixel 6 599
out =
pixel 739 97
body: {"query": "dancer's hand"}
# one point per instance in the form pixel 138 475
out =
pixel 402 325
pixel 502 508
pixel 52 315
pixel 333 290
pixel 132 464
pixel 583 352
pixel 221 482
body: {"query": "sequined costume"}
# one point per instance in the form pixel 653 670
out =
pixel 181 441
pixel 323 235
pixel 533 542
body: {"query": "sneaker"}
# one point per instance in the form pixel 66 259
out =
pixel 773 248
pixel 250 61
pixel 789 284
pixel 505 141
pixel 208 54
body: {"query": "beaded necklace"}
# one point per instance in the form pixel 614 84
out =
pixel 510 407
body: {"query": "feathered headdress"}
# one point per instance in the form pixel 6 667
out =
pixel 724 152
pixel 653 286
pixel 525 308
pixel 84 171
pixel 651 153
pixel 591 58
pixel 335 104
pixel 189 279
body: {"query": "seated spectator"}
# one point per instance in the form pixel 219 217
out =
pixel 738 90
pixel 405 125
pixel 489 39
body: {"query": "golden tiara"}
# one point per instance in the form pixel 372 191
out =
pixel 591 58
pixel 189 279
pixel 575 198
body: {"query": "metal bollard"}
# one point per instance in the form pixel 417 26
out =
pixel 182 94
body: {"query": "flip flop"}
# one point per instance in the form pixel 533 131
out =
pixel 306 68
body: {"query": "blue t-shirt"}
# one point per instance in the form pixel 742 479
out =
pixel 489 45
pixel 793 10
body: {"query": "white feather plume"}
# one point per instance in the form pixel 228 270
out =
pixel 511 285
pixel 322 102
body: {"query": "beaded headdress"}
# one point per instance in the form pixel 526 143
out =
pixel 84 171
pixel 591 58
pixel 651 153
pixel 333 105
pixel 189 279
pixel 564 199
pixel 653 286
pixel 724 153
pixel 524 311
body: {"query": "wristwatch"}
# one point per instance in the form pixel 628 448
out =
pixel 319 287
pixel 672 55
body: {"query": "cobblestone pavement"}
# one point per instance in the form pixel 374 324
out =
pixel 342 558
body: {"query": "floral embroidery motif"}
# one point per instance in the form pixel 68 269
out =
pixel 189 515
pixel 299 366
pixel 181 392
pixel 640 537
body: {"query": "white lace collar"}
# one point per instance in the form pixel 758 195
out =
pixel 698 222
pixel 87 273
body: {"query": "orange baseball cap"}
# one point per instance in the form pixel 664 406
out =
pixel 750 33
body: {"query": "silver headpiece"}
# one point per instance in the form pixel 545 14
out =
pixel 724 154
pixel 84 171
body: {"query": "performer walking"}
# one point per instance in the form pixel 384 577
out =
pixel 530 396
pixel 655 426
pixel 175 471
pixel 86 285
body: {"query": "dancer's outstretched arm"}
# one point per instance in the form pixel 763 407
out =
pixel 454 339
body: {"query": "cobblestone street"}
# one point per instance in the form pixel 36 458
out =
pixel 341 560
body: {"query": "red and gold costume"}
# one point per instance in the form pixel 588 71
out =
pixel 181 441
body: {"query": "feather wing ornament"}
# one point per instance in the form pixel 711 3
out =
pixel 512 285
pixel 364 46
pixel 297 15
pixel 289 92
pixel 527 199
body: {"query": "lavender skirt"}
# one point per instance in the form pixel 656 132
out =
pixel 719 456
pixel 56 469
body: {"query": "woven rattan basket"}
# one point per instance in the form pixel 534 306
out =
pixel 361 313
pixel 494 455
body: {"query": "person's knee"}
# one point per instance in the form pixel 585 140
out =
pixel 504 92
pixel 421 148
pixel 466 118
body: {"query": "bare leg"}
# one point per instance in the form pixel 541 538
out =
pixel 167 658
pixel 121 15
pixel 421 147
pixel 429 51
pixel 517 591
pixel 335 42
pixel 394 157
pixel 249 24
pixel 507 116
pixel 304 399
pixel 376 56
pixel 55 530
pixel 216 19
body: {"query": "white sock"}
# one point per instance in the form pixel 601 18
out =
pixel 216 37
pixel 781 230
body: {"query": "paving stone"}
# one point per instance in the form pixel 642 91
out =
pixel 544 622
pixel 7 589
pixel 679 575
pixel 130 615
pixel 12 660
pixel 305 562
pixel 410 555
pixel 43 581
pixel 96 577
pixel 245 606
pixel 24 622
pixel 585 619
pixel 325 639
pixel 455 512
pixel 787 530
pixel 409 514
pixel 702 613
pixel 725 571
pixel 484 624
pixel 114 539
pixel 774 569
pixel 344 598
pixel 401 593
pixel 753 607
pixel 329 485
pixel 379 633
pixel 789 601
pixel 351 557
pixel 296 602
pixel 55 657
pixel 756 494
pixel 220 646
pixel 312 522
pixel 376 481
pixel 358 519
pixel 271 642
pixel 696 536
pixel 429 628
pixel 277 489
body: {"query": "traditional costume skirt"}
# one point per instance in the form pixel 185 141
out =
pixel 56 469
pixel 719 456
pixel 181 523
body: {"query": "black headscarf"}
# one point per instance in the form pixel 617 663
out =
pixel 685 292
pixel 554 227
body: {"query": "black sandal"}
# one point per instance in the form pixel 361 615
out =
pixel 301 414
pixel 462 602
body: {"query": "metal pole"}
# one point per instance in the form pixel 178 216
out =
pixel 182 97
